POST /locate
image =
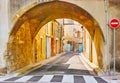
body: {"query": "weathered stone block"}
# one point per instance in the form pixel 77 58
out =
pixel 3 71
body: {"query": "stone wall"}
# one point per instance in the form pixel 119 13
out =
pixel 113 10
pixel 20 52
pixel 115 13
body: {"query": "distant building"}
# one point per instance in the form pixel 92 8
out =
pixel 47 41
pixel 72 35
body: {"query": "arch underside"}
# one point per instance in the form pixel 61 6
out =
pixel 45 12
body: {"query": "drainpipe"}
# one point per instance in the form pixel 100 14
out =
pixel 107 37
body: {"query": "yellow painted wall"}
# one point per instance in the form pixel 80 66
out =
pixel 48 32
pixel 45 31
pixel 56 37
pixel 94 54
pixel 54 34
pixel 40 46
pixel 87 44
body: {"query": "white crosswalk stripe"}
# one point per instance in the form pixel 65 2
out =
pixel 3 78
pixel 46 78
pixel 24 79
pixel 68 78
pixel 89 79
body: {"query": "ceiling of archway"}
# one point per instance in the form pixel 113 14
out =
pixel 45 12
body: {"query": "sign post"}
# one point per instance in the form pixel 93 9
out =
pixel 114 23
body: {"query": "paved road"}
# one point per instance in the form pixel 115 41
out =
pixel 66 69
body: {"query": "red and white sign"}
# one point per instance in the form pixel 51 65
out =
pixel 114 23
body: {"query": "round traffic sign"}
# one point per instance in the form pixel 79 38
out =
pixel 114 23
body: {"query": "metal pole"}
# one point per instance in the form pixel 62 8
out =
pixel 114 53
pixel 107 37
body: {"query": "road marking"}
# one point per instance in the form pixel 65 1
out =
pixel 23 79
pixel 68 78
pixel 4 78
pixel 12 79
pixel 105 79
pixel 46 78
pixel 57 78
pixel 89 79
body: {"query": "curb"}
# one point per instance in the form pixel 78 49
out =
pixel 22 71
pixel 98 71
pixel 95 68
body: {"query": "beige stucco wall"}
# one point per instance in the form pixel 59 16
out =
pixel 4 33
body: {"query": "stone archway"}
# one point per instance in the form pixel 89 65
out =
pixel 28 25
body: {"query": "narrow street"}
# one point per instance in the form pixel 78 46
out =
pixel 68 68
pixel 68 63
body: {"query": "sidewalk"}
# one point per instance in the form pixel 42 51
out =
pixel 100 73
pixel 110 78
pixel 95 68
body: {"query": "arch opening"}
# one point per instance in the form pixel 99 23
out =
pixel 29 24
